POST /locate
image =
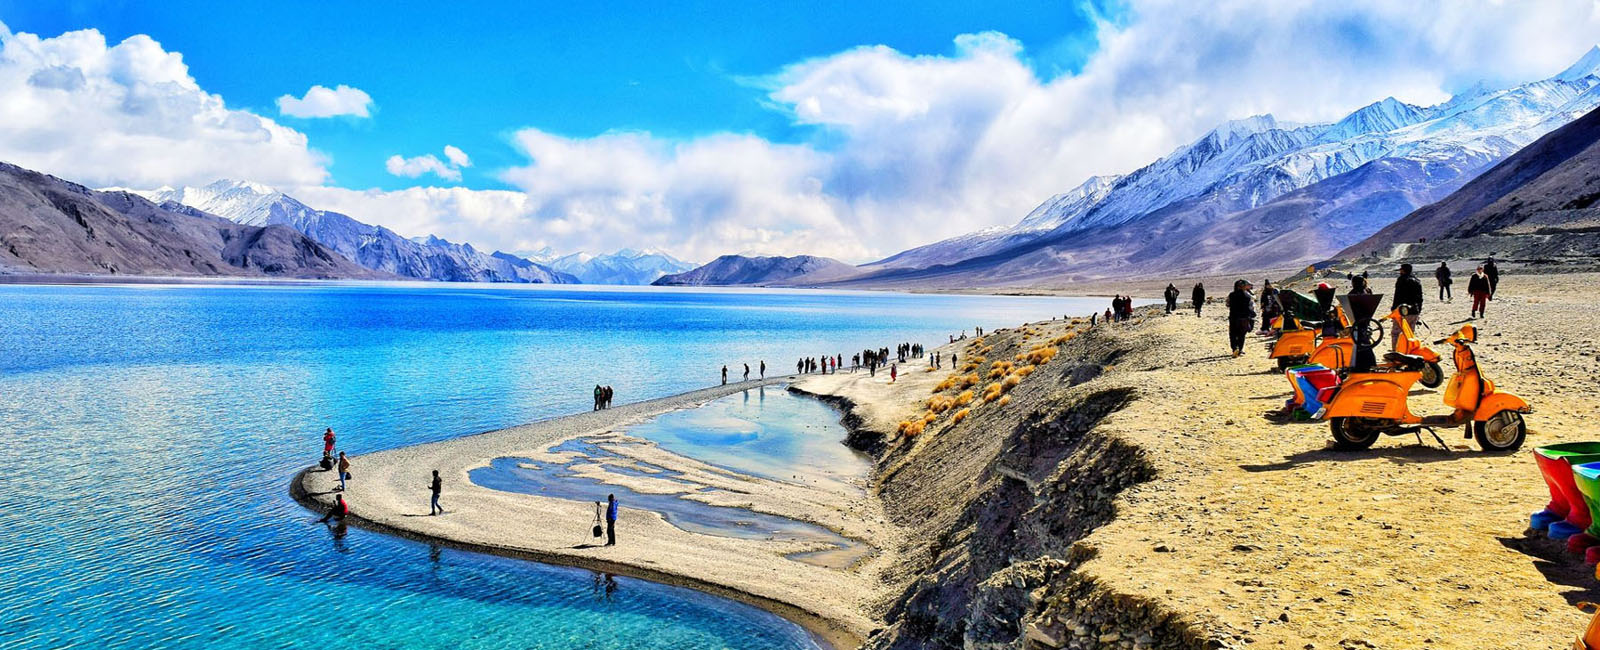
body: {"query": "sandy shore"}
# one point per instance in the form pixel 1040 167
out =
pixel 389 492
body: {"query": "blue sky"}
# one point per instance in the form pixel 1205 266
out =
pixel 468 74
pixel 847 129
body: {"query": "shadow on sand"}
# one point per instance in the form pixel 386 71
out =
pixel 1411 454
pixel 1558 566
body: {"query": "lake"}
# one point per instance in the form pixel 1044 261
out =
pixel 153 429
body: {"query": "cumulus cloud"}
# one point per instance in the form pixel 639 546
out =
pixel 914 148
pixel 430 164
pixel 322 101
pixel 130 114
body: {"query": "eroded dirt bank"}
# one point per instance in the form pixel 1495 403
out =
pixel 1128 493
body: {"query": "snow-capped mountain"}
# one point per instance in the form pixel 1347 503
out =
pixel 1250 163
pixel 626 266
pixel 374 247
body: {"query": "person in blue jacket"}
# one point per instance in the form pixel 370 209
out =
pixel 611 520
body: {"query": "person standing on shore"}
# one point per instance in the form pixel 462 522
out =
pixel 724 375
pixel 763 368
pixel 611 520
pixel 344 470
pixel 1241 315
pixel 747 372
pixel 1442 276
pixel 1479 288
pixel 598 392
pixel 1171 295
pixel 1493 273
pixel 436 486
pixel 894 372
pixel 327 442
pixel 1198 297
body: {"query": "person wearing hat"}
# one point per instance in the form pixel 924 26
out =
pixel 1241 315
pixel 1407 293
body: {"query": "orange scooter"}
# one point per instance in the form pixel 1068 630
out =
pixel 1373 403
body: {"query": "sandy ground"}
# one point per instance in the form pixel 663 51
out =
pixel 1257 530
pixel 389 491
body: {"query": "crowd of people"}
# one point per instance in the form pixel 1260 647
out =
pixel 602 397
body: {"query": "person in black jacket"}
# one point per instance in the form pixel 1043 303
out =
pixel 1442 276
pixel 1241 315
pixel 1172 297
pixel 1407 293
pixel 1480 289
pixel 1493 273
pixel 1198 296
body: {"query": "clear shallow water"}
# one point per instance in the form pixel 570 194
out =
pixel 765 432
pixel 152 430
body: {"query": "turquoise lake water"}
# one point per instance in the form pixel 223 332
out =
pixel 152 430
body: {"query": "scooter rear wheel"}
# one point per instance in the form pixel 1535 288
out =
pixel 1432 375
pixel 1503 431
pixel 1354 434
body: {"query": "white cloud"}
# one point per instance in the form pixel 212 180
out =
pixel 918 148
pixel 419 165
pixel 430 164
pixel 130 114
pixel 911 148
pixel 322 101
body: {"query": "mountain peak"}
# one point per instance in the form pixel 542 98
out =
pixel 229 185
pixel 1244 127
pixel 1588 65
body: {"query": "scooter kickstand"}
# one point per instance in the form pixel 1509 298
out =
pixel 1435 435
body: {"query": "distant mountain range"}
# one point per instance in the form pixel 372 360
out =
pixel 48 225
pixel 800 270
pixel 1255 193
pixel 626 266
pixel 373 247
pixel 1540 204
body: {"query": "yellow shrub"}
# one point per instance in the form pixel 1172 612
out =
pixel 947 384
pixel 1011 382
pixel 1004 400
pixel 964 398
pixel 929 417
pixel 1025 371
pixel 967 381
pixel 914 428
pixel 1041 355
pixel 960 415
pixel 992 392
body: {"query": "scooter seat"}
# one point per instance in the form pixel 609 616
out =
pixel 1405 360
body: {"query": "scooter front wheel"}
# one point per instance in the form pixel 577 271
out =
pixel 1432 375
pixel 1503 431
pixel 1354 434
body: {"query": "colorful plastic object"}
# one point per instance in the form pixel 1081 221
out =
pixel 1591 636
pixel 1566 514
pixel 1587 478
pixel 1313 387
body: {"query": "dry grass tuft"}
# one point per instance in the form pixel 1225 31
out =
pixel 964 398
pixel 1004 400
pixel 960 415
pixel 992 392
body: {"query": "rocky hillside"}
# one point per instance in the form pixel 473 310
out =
pixel 374 247
pixel 1537 204
pixel 741 270
pixel 48 225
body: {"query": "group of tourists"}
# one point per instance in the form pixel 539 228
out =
pixel 1408 292
pixel 823 364
pixel 602 397
pixel 1121 309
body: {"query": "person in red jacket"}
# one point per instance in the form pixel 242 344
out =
pixel 327 442
pixel 338 511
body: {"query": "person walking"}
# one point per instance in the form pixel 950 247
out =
pixel 763 368
pixel 344 470
pixel 747 372
pixel 724 375
pixel 1479 288
pixel 1408 294
pixel 1172 298
pixel 598 393
pixel 611 520
pixel 1493 273
pixel 436 486
pixel 1241 315
pixel 1198 296
pixel 1442 276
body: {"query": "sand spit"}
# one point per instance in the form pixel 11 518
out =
pixel 1131 495
pixel 389 492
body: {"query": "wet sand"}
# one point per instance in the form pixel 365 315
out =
pixel 805 581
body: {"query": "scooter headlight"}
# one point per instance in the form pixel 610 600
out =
pixel 1469 333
